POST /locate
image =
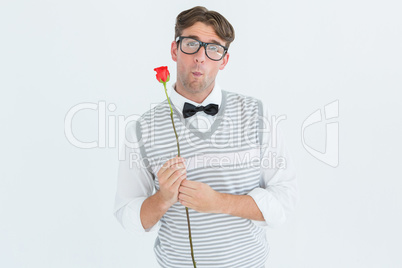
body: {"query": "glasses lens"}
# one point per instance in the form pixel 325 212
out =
pixel 191 46
pixel 215 51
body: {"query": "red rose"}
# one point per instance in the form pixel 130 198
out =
pixel 162 74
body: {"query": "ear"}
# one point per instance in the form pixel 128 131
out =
pixel 173 51
pixel 224 61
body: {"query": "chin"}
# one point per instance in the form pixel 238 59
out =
pixel 198 88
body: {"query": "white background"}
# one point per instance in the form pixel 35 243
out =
pixel 56 200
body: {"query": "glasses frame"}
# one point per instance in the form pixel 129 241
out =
pixel 202 44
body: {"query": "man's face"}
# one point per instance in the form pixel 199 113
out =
pixel 196 72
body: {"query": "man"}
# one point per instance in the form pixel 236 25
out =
pixel 226 175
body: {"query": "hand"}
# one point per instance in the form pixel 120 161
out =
pixel 199 196
pixel 170 176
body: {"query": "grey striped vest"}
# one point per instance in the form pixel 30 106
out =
pixel 227 158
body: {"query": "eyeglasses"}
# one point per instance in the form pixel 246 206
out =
pixel 190 46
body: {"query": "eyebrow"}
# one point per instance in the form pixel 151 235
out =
pixel 212 41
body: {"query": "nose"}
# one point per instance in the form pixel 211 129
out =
pixel 199 57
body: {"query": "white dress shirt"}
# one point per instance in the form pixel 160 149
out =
pixel 275 198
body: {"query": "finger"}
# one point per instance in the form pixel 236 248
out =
pixel 171 162
pixel 187 191
pixel 184 199
pixel 187 203
pixel 176 169
pixel 170 167
pixel 169 181
pixel 184 203
pixel 191 184
pixel 176 179
pixel 176 185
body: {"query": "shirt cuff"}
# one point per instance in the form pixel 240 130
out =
pixel 271 209
pixel 130 219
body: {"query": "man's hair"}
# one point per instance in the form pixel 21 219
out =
pixel 220 24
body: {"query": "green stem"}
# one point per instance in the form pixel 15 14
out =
pixel 189 236
pixel 178 154
pixel 171 117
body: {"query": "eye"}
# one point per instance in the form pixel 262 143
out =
pixel 192 44
pixel 215 48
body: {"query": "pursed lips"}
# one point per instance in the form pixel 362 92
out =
pixel 197 74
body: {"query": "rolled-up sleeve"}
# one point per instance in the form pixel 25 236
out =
pixel 134 184
pixel 278 192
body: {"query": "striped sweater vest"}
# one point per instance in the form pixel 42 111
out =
pixel 227 158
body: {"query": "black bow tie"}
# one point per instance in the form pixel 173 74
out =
pixel 190 110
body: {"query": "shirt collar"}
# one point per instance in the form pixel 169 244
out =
pixel 178 100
